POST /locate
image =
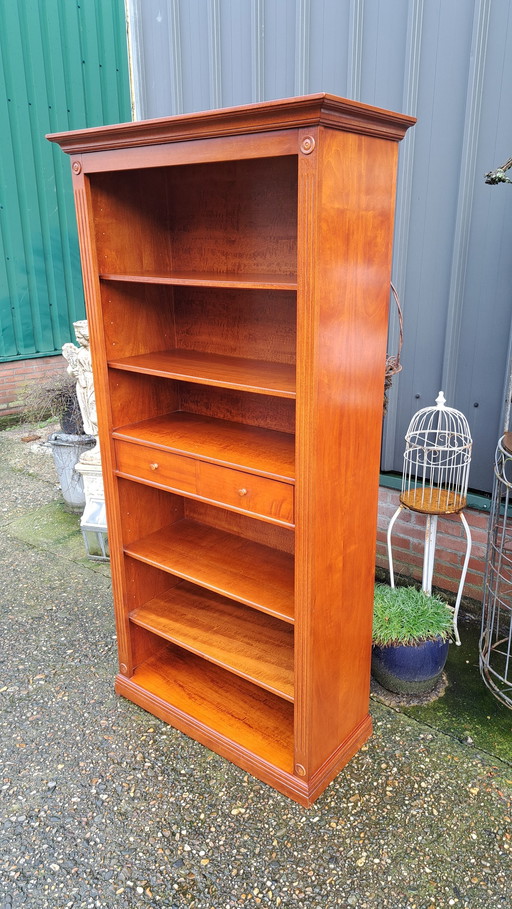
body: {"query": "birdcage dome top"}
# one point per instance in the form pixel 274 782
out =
pixel 436 460
pixel 439 426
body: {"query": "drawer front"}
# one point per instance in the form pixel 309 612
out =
pixel 246 492
pixel 223 486
pixel 163 468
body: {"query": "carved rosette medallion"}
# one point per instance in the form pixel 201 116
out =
pixel 307 145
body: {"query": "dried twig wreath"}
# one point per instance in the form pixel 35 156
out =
pixel 393 365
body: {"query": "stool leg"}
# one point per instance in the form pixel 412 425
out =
pixel 390 554
pixel 430 549
pixel 462 577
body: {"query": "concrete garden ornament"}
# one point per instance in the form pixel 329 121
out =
pixel 93 522
pixel 80 366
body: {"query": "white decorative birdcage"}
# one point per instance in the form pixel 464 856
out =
pixel 436 460
pixel 435 480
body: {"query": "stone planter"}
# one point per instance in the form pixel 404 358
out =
pixel 66 450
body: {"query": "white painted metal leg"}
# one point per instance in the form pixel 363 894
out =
pixel 430 550
pixel 390 554
pixel 462 577
pixel 426 553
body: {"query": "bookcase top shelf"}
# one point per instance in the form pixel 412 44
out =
pixel 320 109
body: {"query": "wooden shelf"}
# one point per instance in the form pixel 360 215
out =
pixel 212 279
pixel 217 703
pixel 249 448
pixel 232 566
pixel 250 644
pixel 257 376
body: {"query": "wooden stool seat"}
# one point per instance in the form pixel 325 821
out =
pixel 506 442
pixel 433 500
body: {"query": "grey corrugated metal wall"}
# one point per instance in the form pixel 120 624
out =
pixel 63 65
pixel 449 62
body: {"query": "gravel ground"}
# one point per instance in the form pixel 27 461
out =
pixel 102 805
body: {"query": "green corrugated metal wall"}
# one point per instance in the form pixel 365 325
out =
pixel 63 65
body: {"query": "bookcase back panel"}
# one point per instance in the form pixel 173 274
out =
pixel 239 407
pixel 228 216
pixel 136 396
pixel 240 525
pixel 235 216
pixel 237 323
pixel 145 645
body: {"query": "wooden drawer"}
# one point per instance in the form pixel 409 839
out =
pixel 245 491
pixel 233 489
pixel 163 468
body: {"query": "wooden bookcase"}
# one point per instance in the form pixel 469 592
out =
pixel 236 269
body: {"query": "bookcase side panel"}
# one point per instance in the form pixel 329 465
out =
pixel 136 397
pixel 345 223
pixel 138 318
pixel 141 511
pixel 88 254
pixel 131 220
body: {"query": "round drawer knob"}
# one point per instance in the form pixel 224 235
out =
pixel 242 492
pixel 154 465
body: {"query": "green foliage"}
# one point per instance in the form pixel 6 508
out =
pixel 498 176
pixel 405 615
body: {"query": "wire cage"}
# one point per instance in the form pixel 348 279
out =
pixel 436 460
pixel 496 631
pixel 435 479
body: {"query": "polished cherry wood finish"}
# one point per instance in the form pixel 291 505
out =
pixel 202 622
pixel 233 489
pixel 207 369
pixel 215 706
pixel 249 448
pixel 249 572
pixel 236 268
pixel 244 281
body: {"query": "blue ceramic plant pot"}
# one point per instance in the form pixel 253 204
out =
pixel 409 669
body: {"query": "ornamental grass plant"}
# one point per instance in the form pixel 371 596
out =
pixel 407 616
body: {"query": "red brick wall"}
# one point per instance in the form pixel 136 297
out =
pixel 408 540
pixel 18 373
